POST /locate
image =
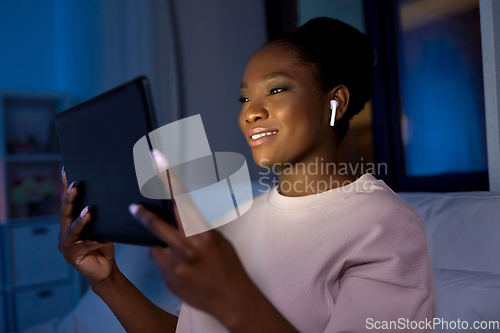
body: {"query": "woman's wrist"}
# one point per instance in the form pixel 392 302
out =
pixel 112 280
pixel 243 308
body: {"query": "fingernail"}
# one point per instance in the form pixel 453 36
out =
pixel 84 212
pixel 62 171
pixel 160 159
pixel 70 187
pixel 133 208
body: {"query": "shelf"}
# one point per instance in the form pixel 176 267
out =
pixel 33 158
pixel 33 219
pixel 36 283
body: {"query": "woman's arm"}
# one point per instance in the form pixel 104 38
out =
pixel 256 314
pixel 205 272
pixel 96 262
pixel 203 269
pixel 388 275
pixel 134 311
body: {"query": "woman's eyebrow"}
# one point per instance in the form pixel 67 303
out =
pixel 267 77
pixel 273 75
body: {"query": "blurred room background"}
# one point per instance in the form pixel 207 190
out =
pixel 424 129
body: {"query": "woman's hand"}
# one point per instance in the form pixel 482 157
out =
pixel 94 260
pixel 203 270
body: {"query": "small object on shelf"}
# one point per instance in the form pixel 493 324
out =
pixel 33 196
pixel 30 124
pixel 27 146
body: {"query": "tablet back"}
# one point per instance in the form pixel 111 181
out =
pixel 96 139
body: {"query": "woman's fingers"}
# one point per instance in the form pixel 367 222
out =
pixel 156 225
pixel 81 249
pixel 168 234
pixel 68 207
pixel 76 253
pixel 72 234
pixel 178 219
pixel 161 256
pixel 173 183
pixel 65 184
pixel 107 250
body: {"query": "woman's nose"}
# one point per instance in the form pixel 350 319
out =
pixel 255 113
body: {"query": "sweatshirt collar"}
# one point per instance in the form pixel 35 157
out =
pixel 363 183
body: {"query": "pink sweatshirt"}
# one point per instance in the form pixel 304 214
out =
pixel 351 259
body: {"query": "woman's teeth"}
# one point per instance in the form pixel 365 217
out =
pixel 256 136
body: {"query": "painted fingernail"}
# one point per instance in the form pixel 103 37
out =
pixel 71 186
pixel 133 208
pixel 160 159
pixel 84 212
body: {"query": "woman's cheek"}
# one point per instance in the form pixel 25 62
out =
pixel 241 122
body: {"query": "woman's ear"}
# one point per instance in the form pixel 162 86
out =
pixel 340 94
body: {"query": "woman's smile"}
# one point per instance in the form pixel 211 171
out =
pixel 259 135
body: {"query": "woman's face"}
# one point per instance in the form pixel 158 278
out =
pixel 280 98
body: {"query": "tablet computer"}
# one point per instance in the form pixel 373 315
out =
pixel 96 139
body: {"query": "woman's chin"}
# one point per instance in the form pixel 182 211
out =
pixel 263 160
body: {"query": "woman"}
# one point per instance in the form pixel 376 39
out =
pixel 320 252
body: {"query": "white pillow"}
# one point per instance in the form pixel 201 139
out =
pixel 462 228
pixel 468 296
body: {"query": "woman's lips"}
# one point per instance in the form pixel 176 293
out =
pixel 261 140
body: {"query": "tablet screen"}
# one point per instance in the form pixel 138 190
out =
pixel 96 139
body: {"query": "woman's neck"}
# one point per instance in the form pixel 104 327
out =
pixel 316 174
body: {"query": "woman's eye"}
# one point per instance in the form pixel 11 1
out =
pixel 276 91
pixel 243 99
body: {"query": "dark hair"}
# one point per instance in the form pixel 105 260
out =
pixel 338 54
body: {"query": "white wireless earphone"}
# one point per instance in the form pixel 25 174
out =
pixel 333 107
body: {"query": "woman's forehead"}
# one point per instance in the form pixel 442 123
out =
pixel 272 58
pixel 273 52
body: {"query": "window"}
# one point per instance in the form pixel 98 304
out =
pixel 428 98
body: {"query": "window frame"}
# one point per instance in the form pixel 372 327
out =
pixel 381 21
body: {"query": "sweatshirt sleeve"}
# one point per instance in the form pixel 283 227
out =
pixel 386 283
pixel 365 305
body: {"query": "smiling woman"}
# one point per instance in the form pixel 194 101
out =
pixel 330 253
pixel 320 252
pixel 289 85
